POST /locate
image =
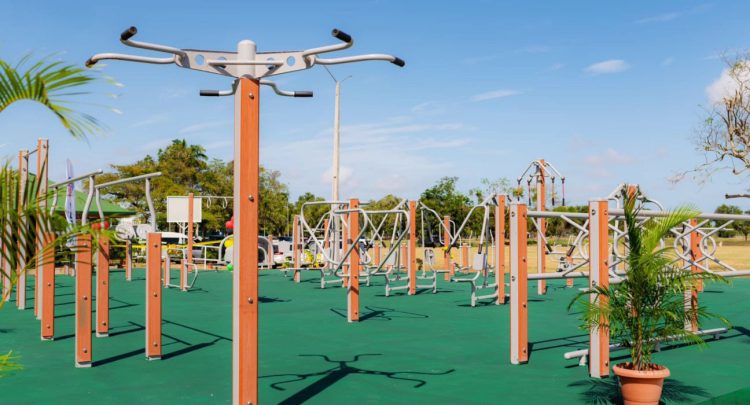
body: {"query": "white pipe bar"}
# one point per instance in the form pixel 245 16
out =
pixel 78 178
pixel 618 346
pixel 640 214
pixel 358 58
pixel 129 180
pixel 131 58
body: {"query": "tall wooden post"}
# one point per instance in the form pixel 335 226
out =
pixel 446 245
pixel 465 253
pixel 695 256
pixel 541 246
pixel 42 153
pixel 102 287
pixel 598 277
pixel 246 198
pixel 412 264
pixel 354 262
pixel 297 248
pixel 326 240
pixel 519 285
pixel 500 248
pixel 7 270
pixel 185 265
pixel 128 261
pixel 23 176
pixel 48 289
pixel 153 296
pixel 83 302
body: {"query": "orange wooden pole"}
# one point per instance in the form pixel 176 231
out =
pixel 48 289
pixel 695 256
pixel 167 269
pixel 541 247
pixel 326 241
pixel 599 277
pixel 447 244
pixel 7 286
pixel 345 234
pixel 297 242
pixel 184 270
pixel 42 149
pixel 83 302
pixel 376 254
pixel 128 261
pixel 465 255
pixel 102 288
pixel 519 285
pixel 354 262
pixel 412 247
pixel 153 296
pixel 246 197
pixel 500 248
pixel 23 175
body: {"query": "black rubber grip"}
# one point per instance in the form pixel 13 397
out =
pixel 89 63
pixel 128 33
pixel 341 35
pixel 398 62
pixel 210 93
pixel 303 94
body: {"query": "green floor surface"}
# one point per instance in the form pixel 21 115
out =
pixel 430 348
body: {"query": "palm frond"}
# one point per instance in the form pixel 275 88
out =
pixel 49 83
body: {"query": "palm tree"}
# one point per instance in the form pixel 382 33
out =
pixel 648 305
pixel 52 84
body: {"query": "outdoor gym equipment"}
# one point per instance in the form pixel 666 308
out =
pixel 249 68
pixel 537 173
pixel 428 253
pixel 82 266
pixel 480 264
pixel 603 270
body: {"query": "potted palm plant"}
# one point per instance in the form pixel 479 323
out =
pixel 647 307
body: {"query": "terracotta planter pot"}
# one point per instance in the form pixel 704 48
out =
pixel 640 387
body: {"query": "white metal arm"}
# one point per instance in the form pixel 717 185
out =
pixel 246 61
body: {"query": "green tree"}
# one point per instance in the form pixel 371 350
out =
pixel 185 168
pixel 444 198
pixel 274 203
pixel 313 214
pixel 728 209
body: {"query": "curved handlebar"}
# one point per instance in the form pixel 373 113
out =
pixel 128 33
pixel 341 35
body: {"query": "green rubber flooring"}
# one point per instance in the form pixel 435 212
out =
pixel 406 350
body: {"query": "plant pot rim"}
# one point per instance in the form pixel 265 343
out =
pixel 621 371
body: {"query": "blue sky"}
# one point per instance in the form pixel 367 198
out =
pixel 606 91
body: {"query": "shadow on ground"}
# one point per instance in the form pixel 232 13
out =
pixel 340 370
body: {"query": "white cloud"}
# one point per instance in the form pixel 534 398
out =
pixel 219 144
pixel 555 67
pixel 388 156
pixel 190 129
pixel 724 86
pixel 667 62
pixel 610 156
pixel 659 18
pixel 494 94
pixel 156 144
pixel 607 67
